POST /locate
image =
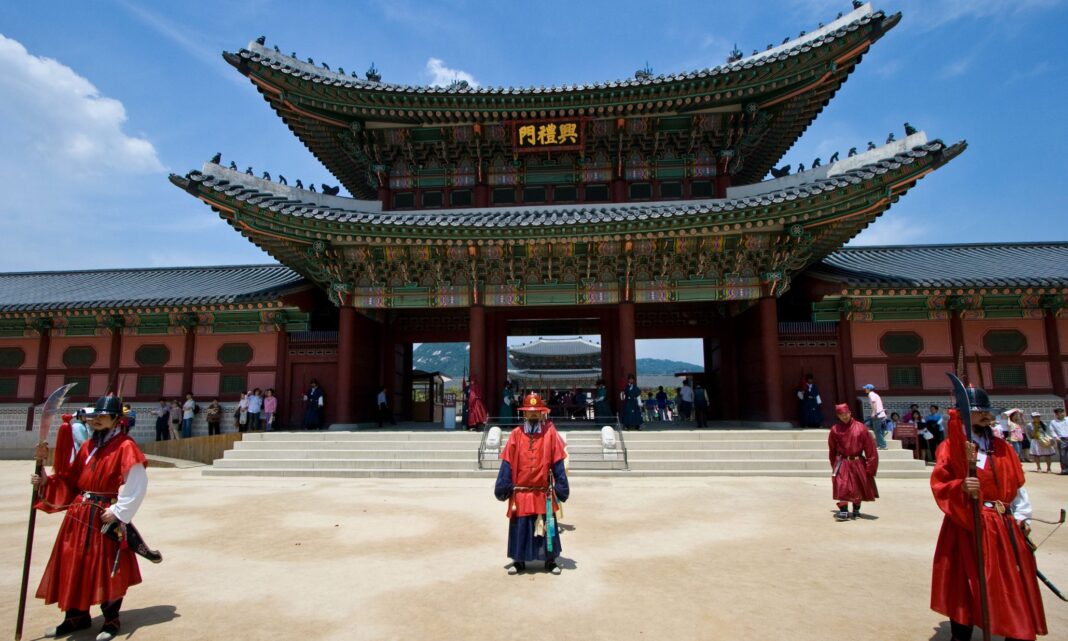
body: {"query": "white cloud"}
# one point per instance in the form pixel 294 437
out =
pixel 59 123
pixel 442 76
pixel 956 68
pixel 893 230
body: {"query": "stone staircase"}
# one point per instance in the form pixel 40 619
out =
pixel 441 454
pixel 750 453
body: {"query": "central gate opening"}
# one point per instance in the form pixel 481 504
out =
pixel 560 359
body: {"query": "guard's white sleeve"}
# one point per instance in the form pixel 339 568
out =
pixel 131 494
pixel 819 401
pixel 800 395
pixel 1021 505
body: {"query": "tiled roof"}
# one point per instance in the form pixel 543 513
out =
pixel 839 28
pixel 302 204
pixel 557 347
pixel 113 288
pixel 1002 264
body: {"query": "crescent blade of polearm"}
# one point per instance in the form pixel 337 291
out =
pixel 52 404
pixel 964 405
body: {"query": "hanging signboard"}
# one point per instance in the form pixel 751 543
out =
pixel 561 134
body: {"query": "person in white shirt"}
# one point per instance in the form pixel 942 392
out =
pixel 255 406
pixel 189 408
pixel 1059 428
pixel 878 416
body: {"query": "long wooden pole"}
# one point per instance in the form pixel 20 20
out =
pixel 26 559
pixel 984 603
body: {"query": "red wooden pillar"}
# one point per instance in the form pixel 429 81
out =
pixel 280 368
pixel 609 353
pixel 728 369
pixel 385 195
pixel 482 194
pixel 771 361
pixel 44 341
pixel 476 343
pixel 346 342
pixel 627 363
pixel 113 360
pixel 387 373
pixel 723 181
pixel 956 340
pixel 187 364
pixel 619 190
pixel 1056 358
pixel 845 351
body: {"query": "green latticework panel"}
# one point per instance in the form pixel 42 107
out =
pixel 905 376
pixel 79 357
pixel 232 384
pixel 1010 376
pixel 81 385
pixel 235 354
pixel 149 385
pixel 152 355
pixel 901 343
pixel 1005 341
pixel 12 357
pixel 9 386
pixel 81 326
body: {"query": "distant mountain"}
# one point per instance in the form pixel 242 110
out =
pixel 451 359
pixel 665 367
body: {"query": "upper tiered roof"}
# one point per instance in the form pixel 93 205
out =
pixel 775 95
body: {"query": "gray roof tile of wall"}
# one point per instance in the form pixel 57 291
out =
pixel 1001 264
pixel 292 201
pixel 118 288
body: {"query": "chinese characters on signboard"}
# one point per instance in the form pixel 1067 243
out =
pixel 553 135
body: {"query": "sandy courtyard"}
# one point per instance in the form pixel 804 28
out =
pixel 694 558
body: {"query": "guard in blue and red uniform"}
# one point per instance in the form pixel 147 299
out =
pixel 533 481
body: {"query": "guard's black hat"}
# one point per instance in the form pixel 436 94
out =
pixel 978 399
pixel 109 404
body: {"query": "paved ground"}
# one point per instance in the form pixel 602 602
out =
pixel 672 559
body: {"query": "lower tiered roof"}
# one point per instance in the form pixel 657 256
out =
pixel 738 248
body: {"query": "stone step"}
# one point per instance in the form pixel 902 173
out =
pixel 384 435
pixel 367 454
pixel 638 463
pixel 443 446
pixel 489 475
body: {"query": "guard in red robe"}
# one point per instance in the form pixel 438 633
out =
pixel 105 484
pixel 1009 565
pixel 477 416
pixel 854 463
pixel 533 480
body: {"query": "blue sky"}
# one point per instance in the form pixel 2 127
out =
pixel 102 99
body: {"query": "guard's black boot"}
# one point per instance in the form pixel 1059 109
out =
pixel 74 621
pixel 111 620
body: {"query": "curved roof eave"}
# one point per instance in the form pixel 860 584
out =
pixel 266 57
pixel 363 217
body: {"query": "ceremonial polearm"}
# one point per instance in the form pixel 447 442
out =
pixel 51 406
pixel 964 409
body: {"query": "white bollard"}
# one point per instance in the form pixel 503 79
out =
pixel 493 437
pixel 608 437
